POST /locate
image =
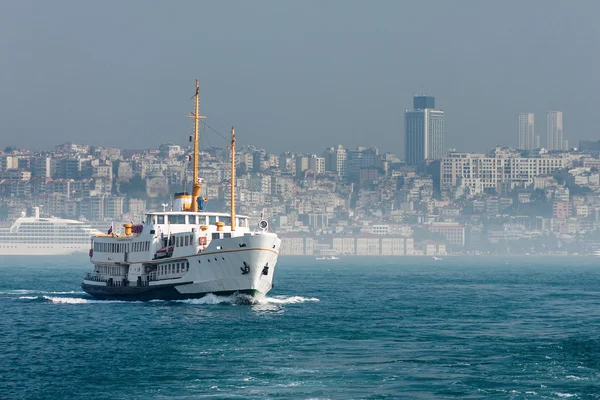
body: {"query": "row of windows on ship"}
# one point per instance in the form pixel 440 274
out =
pixel 121 247
pixel 182 219
pixel 173 268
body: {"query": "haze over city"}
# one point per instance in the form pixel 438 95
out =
pixel 298 76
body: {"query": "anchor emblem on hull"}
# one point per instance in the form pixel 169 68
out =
pixel 245 269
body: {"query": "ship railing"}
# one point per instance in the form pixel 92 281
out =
pixel 92 276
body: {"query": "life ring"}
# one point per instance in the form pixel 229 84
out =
pixel 202 240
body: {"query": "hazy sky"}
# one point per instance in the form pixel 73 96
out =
pixel 296 76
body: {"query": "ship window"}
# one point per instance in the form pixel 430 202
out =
pixel 227 235
pixel 226 220
pixel 215 235
pixel 177 219
pixel 161 219
pixel 148 219
pixel 187 240
pixel 212 219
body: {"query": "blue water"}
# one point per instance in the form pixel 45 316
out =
pixel 357 328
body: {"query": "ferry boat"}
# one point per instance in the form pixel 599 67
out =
pixel 45 236
pixel 185 252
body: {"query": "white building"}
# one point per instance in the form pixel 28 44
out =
pixel 478 171
pixel 554 131
pixel 336 160
pixel 316 164
pixel 526 131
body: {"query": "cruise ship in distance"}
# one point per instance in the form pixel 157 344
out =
pixel 45 236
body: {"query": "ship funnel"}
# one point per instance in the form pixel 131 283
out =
pixel 182 202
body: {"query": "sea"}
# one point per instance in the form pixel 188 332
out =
pixel 354 328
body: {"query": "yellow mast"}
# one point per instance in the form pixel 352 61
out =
pixel 197 185
pixel 232 179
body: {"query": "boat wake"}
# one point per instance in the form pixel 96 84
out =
pixel 210 299
pixel 26 291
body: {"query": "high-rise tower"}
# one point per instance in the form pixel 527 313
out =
pixel 424 131
pixel 526 131
pixel 554 131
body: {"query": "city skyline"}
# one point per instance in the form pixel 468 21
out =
pixel 289 75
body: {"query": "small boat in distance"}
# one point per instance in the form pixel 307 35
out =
pixel 437 258
pixel 328 258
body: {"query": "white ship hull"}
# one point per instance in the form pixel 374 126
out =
pixel 28 249
pixel 223 268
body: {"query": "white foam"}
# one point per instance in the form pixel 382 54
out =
pixel 245 299
pixel 66 300
pixel 286 300
pixel 210 299
pixel 78 300
pixel 565 395
pixel 27 291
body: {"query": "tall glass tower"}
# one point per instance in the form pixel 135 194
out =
pixel 424 131
pixel 526 131
pixel 554 131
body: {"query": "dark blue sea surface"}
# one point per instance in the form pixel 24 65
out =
pixel 355 328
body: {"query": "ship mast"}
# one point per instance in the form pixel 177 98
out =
pixel 232 179
pixel 197 185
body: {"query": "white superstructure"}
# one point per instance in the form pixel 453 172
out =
pixel 45 236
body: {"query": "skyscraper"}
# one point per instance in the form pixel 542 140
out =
pixel 554 131
pixel 526 131
pixel 424 131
